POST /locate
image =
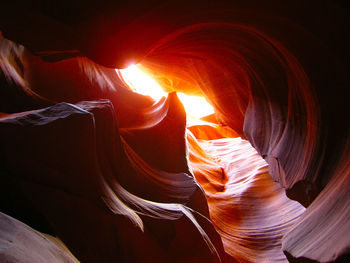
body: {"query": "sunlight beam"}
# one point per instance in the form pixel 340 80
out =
pixel 140 82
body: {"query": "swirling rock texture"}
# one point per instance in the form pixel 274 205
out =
pixel 249 210
pixel 119 177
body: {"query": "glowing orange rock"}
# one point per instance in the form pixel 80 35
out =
pixel 274 73
pixel 248 209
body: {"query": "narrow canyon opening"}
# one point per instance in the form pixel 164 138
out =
pixel 195 106
pixel 229 170
pixel 174 131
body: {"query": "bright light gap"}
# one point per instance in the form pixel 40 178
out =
pixel 140 82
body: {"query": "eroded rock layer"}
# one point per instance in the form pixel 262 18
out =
pixel 74 157
pixel 276 74
pixel 20 243
pixel 248 209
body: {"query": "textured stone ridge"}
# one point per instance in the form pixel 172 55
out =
pixel 276 72
pixel 20 244
pixel 249 210
pixel 330 211
pixel 95 186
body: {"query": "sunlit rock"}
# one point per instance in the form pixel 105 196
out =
pixel 248 209
pixel 276 74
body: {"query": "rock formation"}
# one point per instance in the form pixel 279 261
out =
pixel 20 243
pixel 119 177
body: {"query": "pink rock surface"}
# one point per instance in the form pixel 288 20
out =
pixel 19 244
pixel 249 210
pixel 276 73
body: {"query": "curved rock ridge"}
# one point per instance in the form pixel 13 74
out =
pixel 74 157
pixel 249 210
pixel 209 130
pixel 275 71
pixel 235 65
pixel 138 151
pixel 163 135
pixel 330 211
pixel 19 244
pixel 265 67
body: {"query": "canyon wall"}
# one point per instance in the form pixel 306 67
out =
pixel 124 169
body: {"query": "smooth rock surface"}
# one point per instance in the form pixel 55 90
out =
pixel 276 73
pixel 21 244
